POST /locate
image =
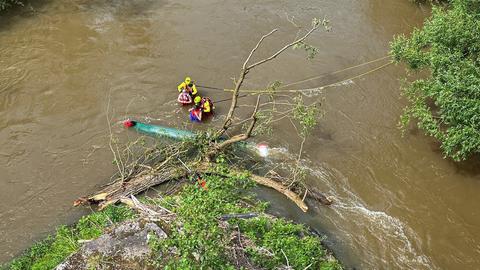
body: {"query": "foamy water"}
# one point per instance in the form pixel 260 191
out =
pixel 349 213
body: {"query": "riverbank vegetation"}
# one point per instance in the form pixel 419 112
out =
pixel 446 102
pixel 215 225
pixel 213 239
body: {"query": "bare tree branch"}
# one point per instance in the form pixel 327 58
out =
pixel 240 137
pixel 254 117
pixel 256 47
pixel 315 27
pixel 245 69
pixel 230 118
pixel 238 83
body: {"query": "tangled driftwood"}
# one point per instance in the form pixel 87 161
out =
pixel 121 189
pixel 118 190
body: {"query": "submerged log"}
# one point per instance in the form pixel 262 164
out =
pixel 319 196
pixel 267 182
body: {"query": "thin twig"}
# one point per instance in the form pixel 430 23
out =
pixel 315 27
pixel 256 47
pixel 301 149
pixel 284 255
pixel 111 136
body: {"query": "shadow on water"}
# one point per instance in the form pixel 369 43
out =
pixel 470 167
pixel 281 207
pixel 17 13
pixel 29 9
pixel 124 7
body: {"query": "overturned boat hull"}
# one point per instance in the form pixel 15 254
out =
pixel 159 131
pixel 261 149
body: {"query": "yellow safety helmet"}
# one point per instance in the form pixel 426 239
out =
pixel 188 80
pixel 198 99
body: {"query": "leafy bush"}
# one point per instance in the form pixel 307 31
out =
pixel 287 243
pixel 198 242
pixel 446 104
pixel 201 242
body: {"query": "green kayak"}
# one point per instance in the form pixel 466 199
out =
pixel 261 149
pixel 159 131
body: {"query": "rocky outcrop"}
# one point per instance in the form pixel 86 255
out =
pixel 124 246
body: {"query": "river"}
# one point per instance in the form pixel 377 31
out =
pixel 399 204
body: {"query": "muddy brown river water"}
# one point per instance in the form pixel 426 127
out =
pixel 399 204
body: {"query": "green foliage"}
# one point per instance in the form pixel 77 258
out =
pixel 447 103
pixel 307 116
pixel 311 51
pixel 272 87
pixel 199 242
pixel 47 254
pixel 196 239
pixel 200 143
pixel 263 128
pixel 38 250
pixel 431 1
pixel 280 240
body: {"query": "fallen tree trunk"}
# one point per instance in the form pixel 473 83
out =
pixel 264 181
pixel 118 190
pixel 292 195
pixel 267 182
pixel 149 212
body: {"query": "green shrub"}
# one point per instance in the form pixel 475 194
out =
pixel 286 243
pixel 198 242
pixel 446 104
pixel 201 242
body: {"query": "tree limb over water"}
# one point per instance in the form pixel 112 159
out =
pixel 142 167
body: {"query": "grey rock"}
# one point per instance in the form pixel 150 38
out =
pixel 124 246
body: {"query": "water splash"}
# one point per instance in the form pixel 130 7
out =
pixel 313 92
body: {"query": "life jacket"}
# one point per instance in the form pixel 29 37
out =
pixel 204 101
pixel 196 115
